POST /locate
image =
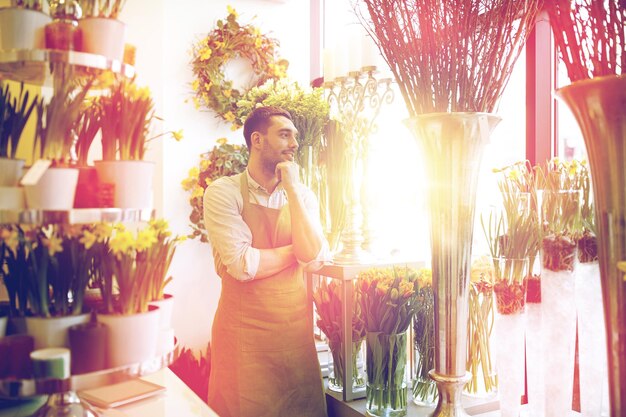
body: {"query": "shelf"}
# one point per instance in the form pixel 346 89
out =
pixel 15 389
pixel 75 216
pixel 33 66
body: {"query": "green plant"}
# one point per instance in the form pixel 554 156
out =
pixel 159 257
pixel 87 128
pixel 14 113
pixel 57 120
pixel 225 159
pixel 14 260
pixel 102 8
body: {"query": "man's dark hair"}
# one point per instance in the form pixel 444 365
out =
pixel 259 120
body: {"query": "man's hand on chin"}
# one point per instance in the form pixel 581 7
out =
pixel 288 174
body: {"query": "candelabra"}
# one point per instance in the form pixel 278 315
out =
pixel 355 102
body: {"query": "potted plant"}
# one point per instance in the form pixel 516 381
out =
pixel 133 324
pixel 56 188
pixel 127 113
pixel 14 257
pixel 22 26
pixel 224 159
pixel 100 31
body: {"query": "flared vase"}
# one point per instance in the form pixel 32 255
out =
pixel 452 145
pixel 599 106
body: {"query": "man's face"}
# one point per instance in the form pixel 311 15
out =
pixel 279 143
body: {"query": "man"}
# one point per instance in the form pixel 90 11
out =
pixel 264 227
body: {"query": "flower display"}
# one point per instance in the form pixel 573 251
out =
pixel 231 39
pixel 224 159
pixel 327 299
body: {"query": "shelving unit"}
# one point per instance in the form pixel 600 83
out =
pixel 75 216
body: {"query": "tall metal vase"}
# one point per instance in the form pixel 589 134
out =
pixel 599 106
pixel 452 145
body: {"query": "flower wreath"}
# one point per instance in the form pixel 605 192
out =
pixel 228 41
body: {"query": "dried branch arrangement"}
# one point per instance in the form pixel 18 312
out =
pixel 452 55
pixel 590 36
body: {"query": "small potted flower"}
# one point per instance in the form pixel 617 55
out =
pixel 101 32
pixel 126 117
pixel 14 113
pixel 22 27
pixel 56 188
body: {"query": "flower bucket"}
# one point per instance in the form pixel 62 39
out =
pixel 338 367
pixel 22 28
pixel 55 190
pixel 166 309
pixel 12 198
pixel 132 180
pixel 52 331
pixel 102 36
pixel 10 171
pixel 386 359
pixel 132 338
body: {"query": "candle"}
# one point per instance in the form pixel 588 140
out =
pixel 355 46
pixel 341 58
pixel 370 54
pixel 329 64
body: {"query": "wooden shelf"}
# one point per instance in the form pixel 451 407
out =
pixel 34 66
pixel 75 216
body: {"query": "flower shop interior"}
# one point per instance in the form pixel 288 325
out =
pixel 468 158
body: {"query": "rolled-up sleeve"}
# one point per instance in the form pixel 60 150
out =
pixel 229 235
pixel 324 255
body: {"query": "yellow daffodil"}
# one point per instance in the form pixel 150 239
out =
pixel 227 93
pixel 178 135
pixel 258 42
pixel 207 86
pixel 197 192
pixel 232 11
pixel 122 243
pixel 196 103
pixel 145 239
pixel 195 85
pixel 161 227
pixel 514 175
pixel 204 165
pixel 208 181
pixel 88 239
pixel 235 127
pixel 102 231
pixel 222 141
pixel 54 244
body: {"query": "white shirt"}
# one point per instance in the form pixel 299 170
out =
pixel 231 237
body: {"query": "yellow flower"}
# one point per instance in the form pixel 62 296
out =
pixel 256 31
pixel 160 226
pixel 257 43
pixel 88 239
pixel 229 116
pixel 207 86
pixel 205 53
pixel 227 93
pixel 235 127
pixel 208 181
pixel 204 165
pixel 222 141
pixel 102 231
pixel 232 11
pixel 197 192
pixel 145 239
pixel 196 103
pixel 178 135
pixel 122 243
pixel 195 85
pixel 53 244
pixel 514 175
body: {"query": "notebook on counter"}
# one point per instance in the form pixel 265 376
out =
pixel 121 393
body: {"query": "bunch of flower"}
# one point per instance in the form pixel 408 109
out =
pixel 138 263
pixel 480 325
pixel 587 242
pixel 229 40
pixel 225 159
pixel 327 299
pixel 424 330
pixel 561 183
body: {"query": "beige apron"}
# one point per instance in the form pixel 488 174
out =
pixel 263 356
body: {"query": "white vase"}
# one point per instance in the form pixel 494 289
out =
pixel 55 190
pixel 52 331
pixel 22 28
pixel 12 198
pixel 510 329
pixel 133 338
pixel 10 171
pixel 592 350
pixel 166 309
pixel 132 180
pixel 102 36
pixel 534 360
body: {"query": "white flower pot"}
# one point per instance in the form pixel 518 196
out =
pixel 166 308
pixel 11 171
pixel 12 198
pixel 54 191
pixel 52 331
pixel 102 36
pixel 132 180
pixel 132 338
pixel 22 28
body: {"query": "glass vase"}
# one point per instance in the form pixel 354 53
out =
pixel 534 348
pixel 599 106
pixel 480 356
pixel 386 359
pixel 452 145
pixel 424 389
pixel 335 378
pixel 510 286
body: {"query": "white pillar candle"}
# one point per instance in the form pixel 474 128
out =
pixel 370 56
pixel 355 46
pixel 329 64
pixel 341 58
